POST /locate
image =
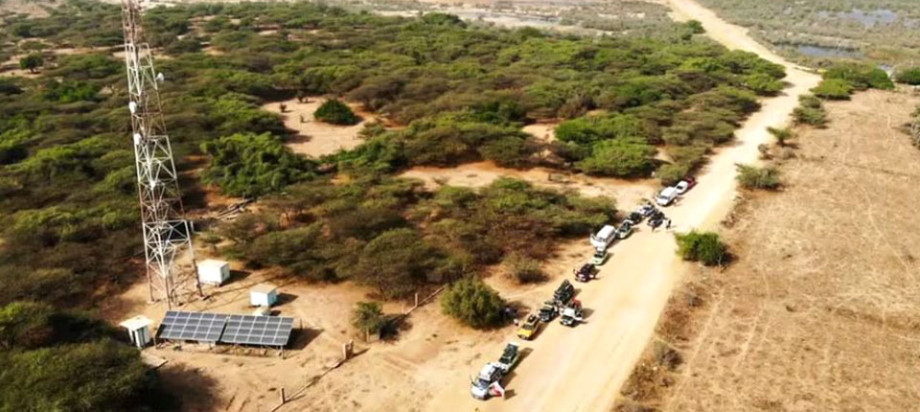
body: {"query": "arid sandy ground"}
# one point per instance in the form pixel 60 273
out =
pixel 820 310
pixel 315 138
pixel 627 193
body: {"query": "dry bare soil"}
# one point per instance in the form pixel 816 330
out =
pixel 821 310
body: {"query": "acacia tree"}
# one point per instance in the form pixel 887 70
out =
pixel 473 303
pixel 335 112
pixel 367 317
pixel 31 62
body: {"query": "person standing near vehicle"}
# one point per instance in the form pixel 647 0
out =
pixel 668 225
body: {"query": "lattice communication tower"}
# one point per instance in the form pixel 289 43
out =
pixel 171 273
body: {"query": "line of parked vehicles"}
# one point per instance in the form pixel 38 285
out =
pixel 563 304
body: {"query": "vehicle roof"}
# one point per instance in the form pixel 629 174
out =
pixel 487 370
pixel 607 230
pixel 668 191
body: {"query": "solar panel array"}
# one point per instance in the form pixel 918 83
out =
pixel 203 327
pixel 217 327
pixel 258 330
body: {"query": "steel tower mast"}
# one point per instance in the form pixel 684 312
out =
pixel 167 235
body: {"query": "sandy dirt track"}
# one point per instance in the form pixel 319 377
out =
pixel 583 368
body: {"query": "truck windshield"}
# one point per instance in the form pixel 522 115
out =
pixel 481 383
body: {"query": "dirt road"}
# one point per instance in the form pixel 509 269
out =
pixel 583 368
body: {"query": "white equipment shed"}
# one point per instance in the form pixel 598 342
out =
pixel 263 294
pixel 139 329
pixel 213 272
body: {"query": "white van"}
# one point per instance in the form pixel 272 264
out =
pixel 604 237
pixel 667 196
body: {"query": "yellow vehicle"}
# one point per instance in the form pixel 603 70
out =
pixel 530 327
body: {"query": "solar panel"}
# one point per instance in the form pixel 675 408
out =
pixel 202 327
pixel 258 330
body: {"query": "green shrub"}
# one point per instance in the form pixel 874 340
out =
pixel 810 111
pixel 59 360
pixel 9 86
pixel 909 76
pixel 626 157
pixel 589 129
pixel 763 84
pixel 397 262
pixel 507 151
pixel 859 76
pixel 523 269
pixel 70 91
pixel 752 177
pixel 701 247
pixel 833 89
pixel 367 317
pixel 333 111
pixel 473 303
pixel 251 165
pixel 782 135
pixel 810 101
pixel 695 26
pixel 671 173
pixel 31 62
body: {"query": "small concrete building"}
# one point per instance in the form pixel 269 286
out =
pixel 139 329
pixel 263 294
pixel 213 272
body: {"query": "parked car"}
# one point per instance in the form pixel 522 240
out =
pixel 572 314
pixel 488 382
pixel 530 327
pixel 585 273
pixel 635 217
pixel 604 237
pixel 548 312
pixel 600 256
pixel 625 229
pixel 685 184
pixel 563 294
pixel 647 210
pixel 667 196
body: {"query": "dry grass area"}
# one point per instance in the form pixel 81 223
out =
pixel 821 310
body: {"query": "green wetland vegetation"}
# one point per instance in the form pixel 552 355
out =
pixel 816 32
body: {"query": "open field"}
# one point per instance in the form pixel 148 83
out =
pixel 314 138
pixel 819 311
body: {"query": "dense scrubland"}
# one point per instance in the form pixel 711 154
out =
pixel 67 185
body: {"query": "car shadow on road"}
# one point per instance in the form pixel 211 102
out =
pixel 510 393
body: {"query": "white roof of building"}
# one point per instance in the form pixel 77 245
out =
pixel 263 288
pixel 212 263
pixel 137 322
